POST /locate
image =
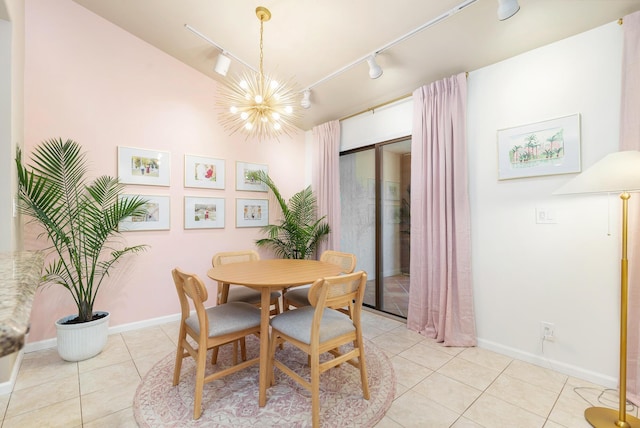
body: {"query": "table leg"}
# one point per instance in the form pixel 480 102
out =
pixel 265 308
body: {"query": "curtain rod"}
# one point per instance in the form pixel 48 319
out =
pixel 383 104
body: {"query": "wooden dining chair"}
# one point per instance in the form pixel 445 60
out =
pixel 209 327
pixel 297 297
pixel 321 327
pixel 240 293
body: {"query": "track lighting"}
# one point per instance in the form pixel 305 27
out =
pixel 374 69
pixel 222 64
pixel 306 99
pixel 507 8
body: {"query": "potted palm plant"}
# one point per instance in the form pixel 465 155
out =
pixel 80 220
pixel 300 231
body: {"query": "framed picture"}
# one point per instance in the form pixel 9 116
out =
pixel 140 166
pixel 203 172
pixel 543 148
pixel 156 216
pixel 252 212
pixel 392 190
pixel 243 182
pixel 203 213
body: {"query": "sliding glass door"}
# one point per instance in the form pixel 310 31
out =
pixel 375 188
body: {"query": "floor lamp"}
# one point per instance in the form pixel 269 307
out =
pixel 617 172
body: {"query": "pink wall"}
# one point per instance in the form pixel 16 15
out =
pixel 90 81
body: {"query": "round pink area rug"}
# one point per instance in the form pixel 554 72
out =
pixel 233 400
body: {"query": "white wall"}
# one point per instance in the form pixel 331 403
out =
pixel 525 273
pixel 564 273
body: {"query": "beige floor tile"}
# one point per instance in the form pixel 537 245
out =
pixel 451 350
pixel 109 376
pixel 492 412
pixel 43 395
pixel 545 378
pixel 407 372
pixel 400 389
pixel 486 358
pixel 371 332
pixel 380 321
pixel 463 422
pixel 550 424
pixel 144 364
pixel 426 356
pixel 104 402
pixel 4 401
pixel 172 330
pixel 392 343
pixel 450 393
pixel 42 367
pixel 469 373
pixel 114 352
pixel 385 422
pixel 415 410
pixel 122 419
pixel 569 410
pixel 63 414
pixel 522 394
pixel 148 341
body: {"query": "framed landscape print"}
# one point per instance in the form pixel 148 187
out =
pixel 203 213
pixel 252 212
pixel 243 182
pixel 141 166
pixel 156 216
pixel 543 148
pixel 205 172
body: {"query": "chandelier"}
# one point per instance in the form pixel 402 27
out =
pixel 258 104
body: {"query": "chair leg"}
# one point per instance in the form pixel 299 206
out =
pixel 273 340
pixel 243 349
pixel 200 366
pixel 179 356
pixel 363 371
pixel 235 352
pixel 214 356
pixel 315 390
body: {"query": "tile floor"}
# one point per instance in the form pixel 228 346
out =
pixel 436 386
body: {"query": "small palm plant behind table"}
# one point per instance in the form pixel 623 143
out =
pixel 80 220
pixel 300 231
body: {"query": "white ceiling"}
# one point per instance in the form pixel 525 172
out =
pixel 307 40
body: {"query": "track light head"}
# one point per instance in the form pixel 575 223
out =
pixel 374 69
pixel 507 8
pixel 306 99
pixel 222 64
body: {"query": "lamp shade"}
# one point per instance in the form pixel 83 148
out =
pixel 507 8
pixel 375 70
pixel 616 172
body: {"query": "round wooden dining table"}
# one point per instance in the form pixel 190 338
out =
pixel 267 276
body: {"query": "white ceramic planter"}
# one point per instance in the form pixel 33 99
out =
pixel 77 342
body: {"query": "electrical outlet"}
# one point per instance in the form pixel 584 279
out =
pixel 547 331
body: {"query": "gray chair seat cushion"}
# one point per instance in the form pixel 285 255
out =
pixel 228 318
pixel 248 295
pixel 297 324
pixel 298 296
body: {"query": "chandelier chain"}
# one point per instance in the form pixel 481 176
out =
pixel 261 55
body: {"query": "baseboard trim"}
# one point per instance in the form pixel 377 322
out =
pixel 542 361
pixel 51 343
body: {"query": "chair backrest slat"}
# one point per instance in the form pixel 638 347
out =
pixel 190 288
pixel 346 261
pixel 227 257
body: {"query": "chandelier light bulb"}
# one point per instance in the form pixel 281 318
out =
pixel 258 99
pixel 244 85
pixel 276 126
pixel 248 126
pixel 274 84
pixel 275 115
pixel 244 115
pixel 233 109
pixel 288 109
